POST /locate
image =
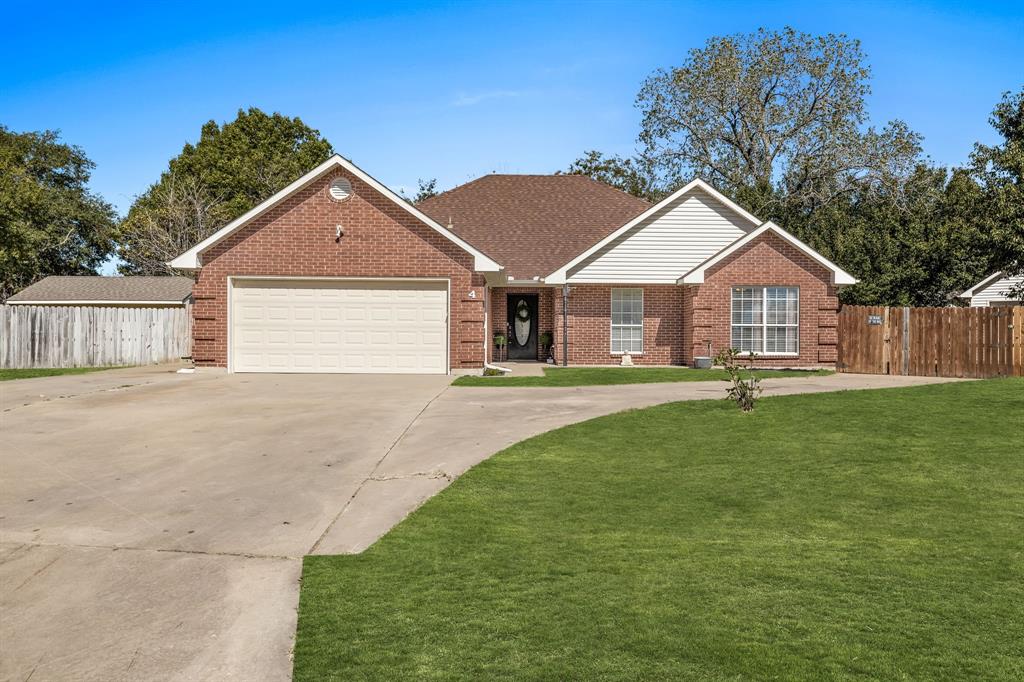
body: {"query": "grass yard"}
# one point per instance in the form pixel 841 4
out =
pixel 865 534
pixel 11 374
pixel 602 376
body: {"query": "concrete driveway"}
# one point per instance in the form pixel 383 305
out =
pixel 152 524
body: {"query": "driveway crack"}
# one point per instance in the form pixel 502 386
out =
pixel 417 474
pixel 29 579
pixel 376 467
pixel 45 398
pixel 167 550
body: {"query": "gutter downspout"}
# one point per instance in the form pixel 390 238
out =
pixel 565 325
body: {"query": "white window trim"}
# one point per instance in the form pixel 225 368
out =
pixel 612 325
pixel 764 319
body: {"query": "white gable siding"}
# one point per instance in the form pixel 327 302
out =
pixel 667 244
pixel 996 292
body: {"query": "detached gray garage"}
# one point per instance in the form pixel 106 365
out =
pixel 339 325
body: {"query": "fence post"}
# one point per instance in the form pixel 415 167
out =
pixel 905 360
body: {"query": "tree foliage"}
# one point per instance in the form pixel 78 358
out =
pixel 945 231
pixel 633 176
pixel 778 121
pixel 999 170
pixel 232 168
pixel 424 190
pixel 778 115
pixel 50 223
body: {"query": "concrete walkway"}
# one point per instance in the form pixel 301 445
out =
pixel 473 423
pixel 152 524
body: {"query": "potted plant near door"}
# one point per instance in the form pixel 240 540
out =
pixel 545 339
pixel 500 341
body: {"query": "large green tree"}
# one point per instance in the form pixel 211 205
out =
pixel 230 169
pixel 942 231
pixel 50 223
pixel 778 121
pixel 634 176
pixel 919 248
pixel 999 170
pixel 777 118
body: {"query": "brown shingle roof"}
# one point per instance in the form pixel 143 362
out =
pixel 93 288
pixel 533 224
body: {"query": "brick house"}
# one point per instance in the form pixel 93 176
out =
pixel 337 273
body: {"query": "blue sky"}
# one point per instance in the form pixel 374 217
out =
pixel 454 90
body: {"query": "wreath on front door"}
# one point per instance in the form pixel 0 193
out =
pixel 522 322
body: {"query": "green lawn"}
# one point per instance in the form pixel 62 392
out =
pixel 11 374
pixel 866 534
pixel 599 376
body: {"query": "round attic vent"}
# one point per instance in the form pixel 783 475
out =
pixel 341 189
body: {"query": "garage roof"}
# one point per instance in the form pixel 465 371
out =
pixel 94 289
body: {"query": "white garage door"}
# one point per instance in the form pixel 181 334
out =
pixel 345 326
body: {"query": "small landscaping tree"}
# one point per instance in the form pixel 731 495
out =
pixel 744 391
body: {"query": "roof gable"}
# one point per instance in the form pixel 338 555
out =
pixel 190 260
pixel 696 276
pixel 995 287
pixel 715 200
pixel 672 240
pixel 533 223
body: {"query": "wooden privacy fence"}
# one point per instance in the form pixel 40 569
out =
pixel 91 336
pixel 945 342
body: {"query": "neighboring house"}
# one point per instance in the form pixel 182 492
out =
pixel 336 273
pixel 91 290
pixel 994 290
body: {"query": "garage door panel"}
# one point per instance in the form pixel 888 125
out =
pixel 329 337
pixel 319 326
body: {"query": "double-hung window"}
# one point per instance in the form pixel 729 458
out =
pixel 627 321
pixel 766 320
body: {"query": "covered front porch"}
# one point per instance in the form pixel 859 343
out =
pixel 526 324
pixel 522 323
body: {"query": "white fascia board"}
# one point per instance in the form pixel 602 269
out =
pixel 981 285
pixel 190 259
pixel 696 276
pixel 559 276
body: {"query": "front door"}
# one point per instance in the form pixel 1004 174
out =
pixel 522 326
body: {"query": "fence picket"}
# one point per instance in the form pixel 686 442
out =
pixel 955 342
pixel 84 336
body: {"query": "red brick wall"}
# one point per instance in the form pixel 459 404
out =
pixel 499 312
pixel 767 261
pixel 590 308
pixel 297 238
